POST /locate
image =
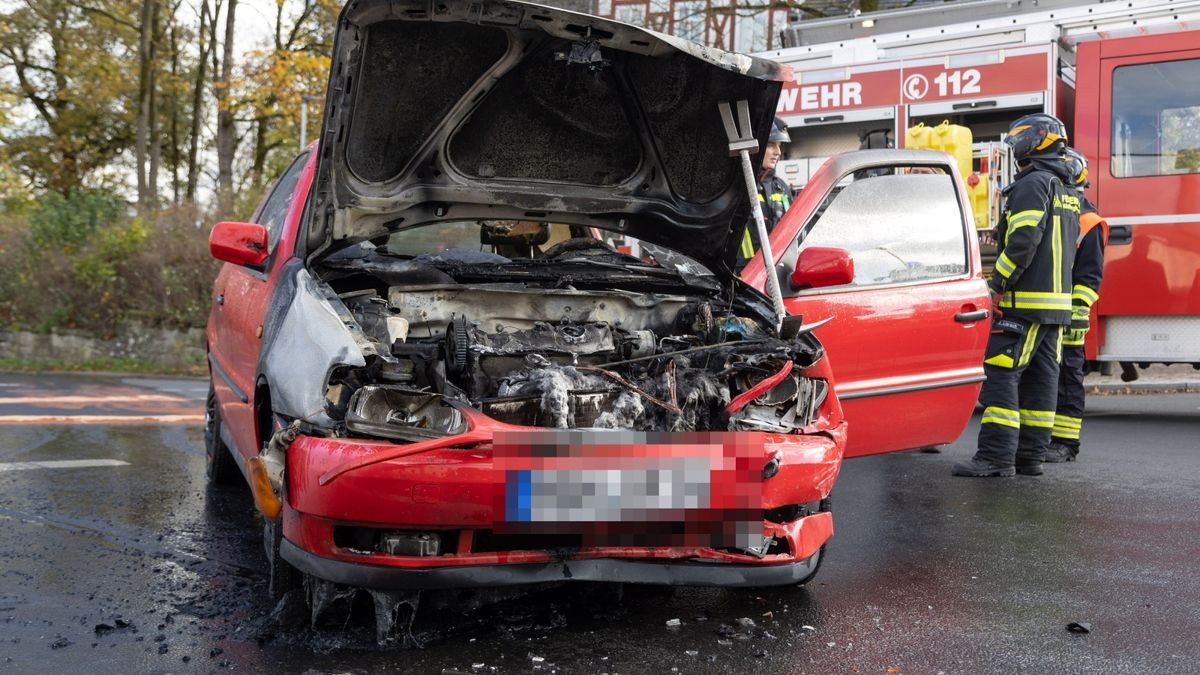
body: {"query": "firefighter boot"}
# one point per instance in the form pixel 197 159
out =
pixel 1029 463
pixel 1060 452
pixel 982 468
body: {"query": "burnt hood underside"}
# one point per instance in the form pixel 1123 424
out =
pixel 455 110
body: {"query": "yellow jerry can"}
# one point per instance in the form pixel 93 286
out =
pixel 956 140
pixel 917 138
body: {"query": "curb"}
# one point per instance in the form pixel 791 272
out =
pixel 1166 387
pixel 105 373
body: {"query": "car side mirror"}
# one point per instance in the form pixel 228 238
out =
pixel 819 267
pixel 239 243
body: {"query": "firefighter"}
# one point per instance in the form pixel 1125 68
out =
pixel 774 194
pixel 1085 290
pixel 1031 302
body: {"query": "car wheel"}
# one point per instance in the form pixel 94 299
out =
pixel 220 468
pixel 283 577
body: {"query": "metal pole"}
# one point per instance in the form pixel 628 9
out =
pixel 742 142
pixel 763 239
pixel 303 121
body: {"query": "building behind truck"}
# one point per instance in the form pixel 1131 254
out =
pixel 1124 77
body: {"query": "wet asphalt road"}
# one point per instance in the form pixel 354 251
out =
pixel 134 566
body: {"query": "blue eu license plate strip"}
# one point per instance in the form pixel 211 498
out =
pixel 518 496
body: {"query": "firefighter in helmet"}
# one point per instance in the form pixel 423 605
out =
pixel 1031 303
pixel 774 194
pixel 1085 290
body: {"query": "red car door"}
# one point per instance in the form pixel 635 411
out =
pixel 240 300
pixel 907 334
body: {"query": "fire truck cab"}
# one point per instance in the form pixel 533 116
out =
pixel 1124 77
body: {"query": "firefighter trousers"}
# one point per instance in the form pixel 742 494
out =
pixel 1068 417
pixel 1018 397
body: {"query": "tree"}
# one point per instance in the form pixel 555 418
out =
pixel 79 92
pixel 144 136
pixel 279 78
pixel 226 128
pixel 207 41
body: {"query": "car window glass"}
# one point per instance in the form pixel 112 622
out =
pixel 898 227
pixel 274 209
pixel 1156 119
pixel 468 235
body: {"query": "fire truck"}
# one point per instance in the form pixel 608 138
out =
pixel 1124 77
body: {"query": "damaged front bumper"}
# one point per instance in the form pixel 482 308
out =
pixel 614 570
pixel 459 503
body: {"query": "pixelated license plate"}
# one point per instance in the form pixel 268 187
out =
pixel 627 488
pixel 661 489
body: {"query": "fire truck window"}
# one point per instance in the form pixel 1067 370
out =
pixel 899 227
pixel 1156 119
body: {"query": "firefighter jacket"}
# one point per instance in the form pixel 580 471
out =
pixel 1089 262
pixel 1040 226
pixel 774 196
pixel 1087 271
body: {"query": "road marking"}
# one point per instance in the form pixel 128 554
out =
pixel 100 419
pixel 60 464
pixel 135 398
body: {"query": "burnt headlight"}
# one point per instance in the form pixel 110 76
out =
pixel 402 414
pixel 791 404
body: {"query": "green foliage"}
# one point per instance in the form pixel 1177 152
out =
pixel 99 269
pixel 1188 159
pixel 68 69
pixel 103 364
pixel 66 222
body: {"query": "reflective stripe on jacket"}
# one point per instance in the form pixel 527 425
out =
pixel 774 197
pixel 1041 222
pixel 1088 269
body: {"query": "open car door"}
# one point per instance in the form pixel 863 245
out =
pixel 881 241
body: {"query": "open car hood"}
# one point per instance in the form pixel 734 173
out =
pixel 492 109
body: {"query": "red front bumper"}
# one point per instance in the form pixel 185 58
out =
pixel 455 491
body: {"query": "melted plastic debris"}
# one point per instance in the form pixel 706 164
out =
pixel 389 605
pixel 699 396
pixel 627 413
pixel 291 611
pixel 325 597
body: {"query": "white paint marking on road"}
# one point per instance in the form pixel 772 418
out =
pixel 136 398
pixel 100 419
pixel 60 464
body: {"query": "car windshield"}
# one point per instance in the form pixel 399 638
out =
pixel 498 241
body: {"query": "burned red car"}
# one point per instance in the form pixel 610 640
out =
pixel 436 370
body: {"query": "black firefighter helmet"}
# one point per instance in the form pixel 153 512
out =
pixel 1037 135
pixel 779 132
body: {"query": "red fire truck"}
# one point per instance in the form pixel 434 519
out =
pixel 1125 77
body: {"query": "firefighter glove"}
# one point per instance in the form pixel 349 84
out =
pixel 1073 337
pixel 1079 317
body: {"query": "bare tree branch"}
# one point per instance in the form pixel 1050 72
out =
pixel 103 13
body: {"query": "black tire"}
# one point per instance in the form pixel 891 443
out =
pixel 220 467
pixel 283 577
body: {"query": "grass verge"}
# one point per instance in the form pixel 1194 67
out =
pixel 101 364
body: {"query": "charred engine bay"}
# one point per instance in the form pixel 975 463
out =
pixel 582 343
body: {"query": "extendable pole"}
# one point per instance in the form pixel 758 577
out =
pixel 743 144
